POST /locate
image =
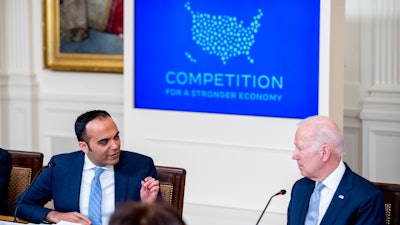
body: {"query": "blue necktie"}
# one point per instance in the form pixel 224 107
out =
pixel 95 198
pixel 313 208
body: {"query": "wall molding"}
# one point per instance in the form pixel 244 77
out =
pixel 380 112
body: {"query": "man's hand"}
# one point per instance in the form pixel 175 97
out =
pixel 149 190
pixel 73 217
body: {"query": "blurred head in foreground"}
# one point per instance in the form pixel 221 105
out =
pixel 137 213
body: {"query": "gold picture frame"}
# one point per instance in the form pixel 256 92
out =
pixel 55 60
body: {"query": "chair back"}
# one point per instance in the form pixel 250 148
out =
pixel 391 192
pixel 172 185
pixel 26 165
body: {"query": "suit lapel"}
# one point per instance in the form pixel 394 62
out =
pixel 121 187
pixel 339 199
pixel 121 183
pixel 306 200
pixel 301 201
pixel 75 184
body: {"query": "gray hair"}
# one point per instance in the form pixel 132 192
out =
pixel 324 131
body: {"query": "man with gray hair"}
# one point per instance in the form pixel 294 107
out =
pixel 330 192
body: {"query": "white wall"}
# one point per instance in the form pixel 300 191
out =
pixel 372 88
pixel 38 108
pixel 380 67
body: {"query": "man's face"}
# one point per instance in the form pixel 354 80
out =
pixel 309 160
pixel 103 142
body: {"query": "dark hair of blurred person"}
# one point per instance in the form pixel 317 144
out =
pixel 137 213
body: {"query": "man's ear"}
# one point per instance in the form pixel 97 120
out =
pixel 83 146
pixel 325 152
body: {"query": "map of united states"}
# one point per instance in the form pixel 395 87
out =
pixel 222 35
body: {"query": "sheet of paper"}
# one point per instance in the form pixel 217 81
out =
pixel 62 222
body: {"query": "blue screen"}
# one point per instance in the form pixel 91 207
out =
pixel 245 57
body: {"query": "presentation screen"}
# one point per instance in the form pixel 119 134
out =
pixel 243 57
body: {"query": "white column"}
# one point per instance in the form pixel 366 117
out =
pixel 380 111
pixel 18 82
pixel 2 77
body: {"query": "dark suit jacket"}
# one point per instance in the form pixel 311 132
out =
pixel 5 170
pixel 63 181
pixel 356 201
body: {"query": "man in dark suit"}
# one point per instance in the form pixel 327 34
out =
pixel 345 197
pixel 5 170
pixel 127 176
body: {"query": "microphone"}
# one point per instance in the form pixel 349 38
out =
pixel 282 192
pixel 50 165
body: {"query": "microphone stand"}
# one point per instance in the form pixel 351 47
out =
pixel 282 192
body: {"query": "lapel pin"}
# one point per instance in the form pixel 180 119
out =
pixel 341 197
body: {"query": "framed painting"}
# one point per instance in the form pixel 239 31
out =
pixel 83 35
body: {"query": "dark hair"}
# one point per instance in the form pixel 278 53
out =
pixel 82 120
pixel 137 213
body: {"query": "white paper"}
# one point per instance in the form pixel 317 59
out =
pixel 62 222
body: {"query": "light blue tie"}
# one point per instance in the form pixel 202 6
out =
pixel 95 198
pixel 313 208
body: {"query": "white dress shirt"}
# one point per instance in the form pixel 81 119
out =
pixel 331 183
pixel 107 185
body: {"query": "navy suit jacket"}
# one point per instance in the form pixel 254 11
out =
pixel 356 201
pixel 62 183
pixel 5 170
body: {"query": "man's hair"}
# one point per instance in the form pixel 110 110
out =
pixel 325 131
pixel 85 118
pixel 138 213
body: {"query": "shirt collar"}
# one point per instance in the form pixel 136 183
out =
pixel 333 180
pixel 88 165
